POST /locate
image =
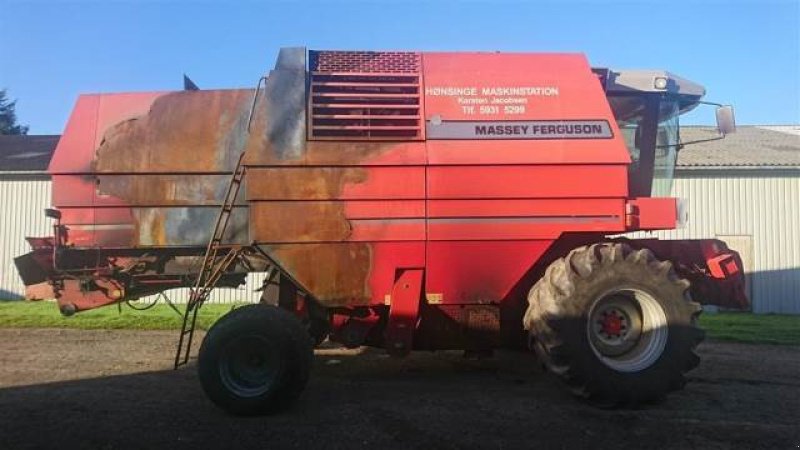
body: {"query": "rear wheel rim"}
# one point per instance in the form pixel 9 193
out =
pixel 249 366
pixel 627 329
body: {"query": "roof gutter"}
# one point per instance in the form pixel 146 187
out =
pixel 24 175
pixel 753 171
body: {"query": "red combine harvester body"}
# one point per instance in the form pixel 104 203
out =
pixel 398 199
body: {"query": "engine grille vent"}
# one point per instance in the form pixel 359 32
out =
pixel 338 61
pixel 365 96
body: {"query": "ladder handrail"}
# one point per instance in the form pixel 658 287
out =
pixel 255 97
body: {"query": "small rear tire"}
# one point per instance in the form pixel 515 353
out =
pixel 615 324
pixel 255 360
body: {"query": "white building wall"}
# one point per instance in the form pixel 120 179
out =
pixel 757 215
pixel 22 205
pixel 243 294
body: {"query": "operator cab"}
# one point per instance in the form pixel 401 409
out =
pixel 646 104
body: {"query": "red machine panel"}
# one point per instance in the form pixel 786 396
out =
pixel 507 108
pixel 527 181
pixel 521 148
pixel 91 117
pixel 478 271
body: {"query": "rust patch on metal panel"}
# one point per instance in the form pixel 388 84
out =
pixel 185 138
pixel 335 274
pixel 302 183
pixel 203 132
pixel 164 189
pixel 155 229
pixel 197 131
pixel 262 152
pixel 309 221
pixel 345 152
pixel 180 226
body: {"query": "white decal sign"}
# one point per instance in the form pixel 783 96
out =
pixel 519 129
pixel 495 100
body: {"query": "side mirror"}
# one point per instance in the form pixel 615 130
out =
pixel 726 123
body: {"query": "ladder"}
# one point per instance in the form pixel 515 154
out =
pixel 218 258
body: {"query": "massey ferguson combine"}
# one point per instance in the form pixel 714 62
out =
pixel 403 200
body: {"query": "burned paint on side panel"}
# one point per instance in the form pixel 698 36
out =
pixel 198 131
pixel 190 137
pixel 306 221
pixel 278 128
pixel 306 183
pixel 178 226
pixel 163 189
pixel 336 274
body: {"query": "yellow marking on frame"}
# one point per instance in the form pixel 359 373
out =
pixel 434 299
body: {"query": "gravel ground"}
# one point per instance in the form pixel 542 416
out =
pixel 115 389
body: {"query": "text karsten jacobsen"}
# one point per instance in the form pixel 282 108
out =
pixel 523 130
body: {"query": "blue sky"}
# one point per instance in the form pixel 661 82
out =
pixel 744 52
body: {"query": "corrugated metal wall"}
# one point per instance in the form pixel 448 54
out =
pixel 757 215
pixel 22 204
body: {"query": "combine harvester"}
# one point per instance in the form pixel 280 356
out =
pixel 402 200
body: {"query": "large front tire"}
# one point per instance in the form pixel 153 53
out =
pixel 255 360
pixel 615 324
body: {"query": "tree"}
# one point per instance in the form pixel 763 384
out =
pixel 8 116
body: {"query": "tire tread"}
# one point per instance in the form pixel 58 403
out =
pixel 552 299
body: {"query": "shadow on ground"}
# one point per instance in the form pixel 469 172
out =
pixel 742 396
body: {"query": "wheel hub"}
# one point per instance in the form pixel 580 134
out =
pixel 627 329
pixel 249 366
pixel 613 323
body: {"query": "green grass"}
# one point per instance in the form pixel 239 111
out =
pixel 752 328
pixel 46 315
pixel 739 327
